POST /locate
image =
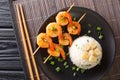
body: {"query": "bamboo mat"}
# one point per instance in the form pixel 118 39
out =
pixel 37 11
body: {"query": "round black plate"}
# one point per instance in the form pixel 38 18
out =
pixel 107 43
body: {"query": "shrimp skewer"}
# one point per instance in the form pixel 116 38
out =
pixel 53 29
pixel 56 53
pixel 65 40
pixel 64 17
pixel 44 41
pixel 75 28
pixel 58 19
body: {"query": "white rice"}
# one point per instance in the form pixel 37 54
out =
pixel 76 52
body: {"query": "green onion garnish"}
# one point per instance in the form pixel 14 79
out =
pixel 100 36
pixel 82 71
pixel 74 19
pixel 85 34
pixel 58 69
pixel 57 50
pixel 53 29
pixel 89 25
pixel 74 74
pixel 51 58
pixel 99 28
pixel 89 31
pixel 60 59
pixel 74 67
pixel 65 63
pixel 67 66
pixel 77 69
pixel 73 27
pixel 44 58
pixel 63 18
pixel 52 62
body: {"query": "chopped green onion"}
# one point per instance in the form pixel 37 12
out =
pixel 74 67
pixel 77 69
pixel 89 25
pixel 73 27
pixel 51 58
pixel 67 66
pixel 53 29
pixel 52 62
pixel 65 63
pixel 85 34
pixel 58 69
pixel 89 31
pixel 63 18
pixel 57 50
pixel 99 28
pixel 44 58
pixel 60 60
pixel 74 74
pixel 100 36
pixel 74 19
pixel 82 71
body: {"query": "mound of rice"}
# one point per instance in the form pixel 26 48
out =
pixel 85 52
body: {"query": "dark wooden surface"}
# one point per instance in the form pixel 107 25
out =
pixel 10 61
pixel 36 12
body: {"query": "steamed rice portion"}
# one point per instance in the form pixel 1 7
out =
pixel 85 52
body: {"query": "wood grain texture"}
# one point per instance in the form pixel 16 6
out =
pixel 10 61
pixel 37 11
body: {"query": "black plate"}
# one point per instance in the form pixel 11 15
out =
pixel 107 43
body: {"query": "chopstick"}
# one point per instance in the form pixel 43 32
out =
pixel 25 45
pixel 29 44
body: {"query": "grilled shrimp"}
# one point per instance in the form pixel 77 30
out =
pixel 66 39
pixel 58 50
pixel 74 29
pixel 63 18
pixel 44 41
pixel 53 30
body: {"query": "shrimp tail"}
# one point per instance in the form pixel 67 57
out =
pixel 70 40
pixel 51 44
pixel 69 17
pixel 61 51
pixel 59 32
pixel 79 29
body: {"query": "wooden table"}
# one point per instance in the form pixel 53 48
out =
pixel 36 11
pixel 10 61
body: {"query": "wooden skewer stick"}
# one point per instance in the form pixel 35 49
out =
pixel 46 59
pixel 70 7
pixel 25 45
pixel 81 17
pixel 50 55
pixel 29 43
pixel 36 50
